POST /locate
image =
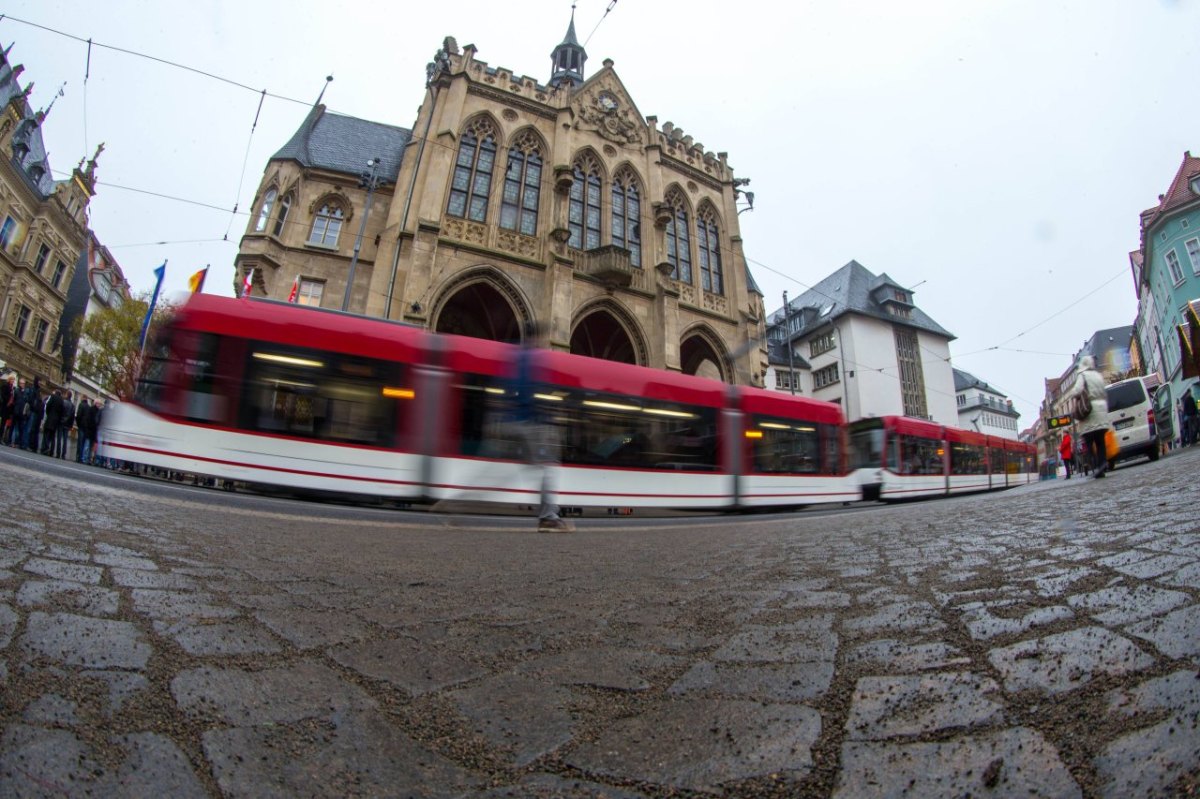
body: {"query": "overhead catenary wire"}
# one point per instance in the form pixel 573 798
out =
pixel 264 93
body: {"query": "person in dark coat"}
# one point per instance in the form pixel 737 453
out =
pixel 83 415
pixel 67 421
pixel 50 424
pixel 31 414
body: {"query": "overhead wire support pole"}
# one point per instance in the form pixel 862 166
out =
pixel 370 181
pixel 787 329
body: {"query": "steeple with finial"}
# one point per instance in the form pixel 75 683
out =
pixel 568 59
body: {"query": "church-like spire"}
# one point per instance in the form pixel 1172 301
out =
pixel 568 59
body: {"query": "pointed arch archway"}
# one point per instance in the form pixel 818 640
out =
pixel 605 330
pixel 482 303
pixel 702 353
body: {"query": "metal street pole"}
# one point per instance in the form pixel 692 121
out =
pixel 369 181
pixel 787 327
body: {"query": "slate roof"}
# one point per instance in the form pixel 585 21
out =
pixel 964 380
pixel 28 131
pixel 848 291
pixel 777 356
pixel 343 144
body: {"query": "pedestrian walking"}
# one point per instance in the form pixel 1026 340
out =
pixel 1093 427
pixel 538 435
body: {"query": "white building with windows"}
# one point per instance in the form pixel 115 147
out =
pixel 983 408
pixel 866 346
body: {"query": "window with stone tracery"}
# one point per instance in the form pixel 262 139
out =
pixel 281 219
pixel 522 185
pixel 472 182
pixel 627 215
pixel 583 213
pixel 708 247
pixel 327 226
pixel 265 213
pixel 679 247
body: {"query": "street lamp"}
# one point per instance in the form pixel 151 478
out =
pixel 369 181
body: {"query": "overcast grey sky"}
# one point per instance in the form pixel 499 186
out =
pixel 993 154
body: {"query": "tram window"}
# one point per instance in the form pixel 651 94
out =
pixel 594 429
pixel 785 446
pixel 322 395
pixel 152 383
pixel 631 432
pixel 967 459
pixel 996 458
pixel 866 448
pixel 486 418
pixel 920 455
pixel 201 401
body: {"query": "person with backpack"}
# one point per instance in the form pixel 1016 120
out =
pixel 1088 393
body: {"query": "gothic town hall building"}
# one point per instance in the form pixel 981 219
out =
pixel 512 201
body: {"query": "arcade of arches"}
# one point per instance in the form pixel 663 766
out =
pixel 481 310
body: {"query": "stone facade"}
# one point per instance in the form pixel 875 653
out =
pixel 515 202
pixel 43 231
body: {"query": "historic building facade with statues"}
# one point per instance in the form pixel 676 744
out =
pixel 43 237
pixel 513 201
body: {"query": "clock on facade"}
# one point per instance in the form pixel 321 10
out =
pixel 608 102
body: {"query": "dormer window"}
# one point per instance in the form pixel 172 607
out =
pixel 1195 184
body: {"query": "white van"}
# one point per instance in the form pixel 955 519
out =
pixel 1131 414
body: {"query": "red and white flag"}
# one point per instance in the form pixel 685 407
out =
pixel 295 289
pixel 246 284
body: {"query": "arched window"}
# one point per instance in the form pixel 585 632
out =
pixel 265 212
pixel 473 172
pixel 326 226
pixel 679 248
pixel 708 247
pixel 627 215
pixel 522 185
pixel 584 213
pixel 285 205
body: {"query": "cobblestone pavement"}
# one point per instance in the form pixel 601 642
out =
pixel 1038 642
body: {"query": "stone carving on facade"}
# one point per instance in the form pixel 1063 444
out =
pixel 603 110
pixel 716 302
pixel 469 232
pixel 518 244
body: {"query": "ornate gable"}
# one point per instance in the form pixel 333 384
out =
pixel 603 106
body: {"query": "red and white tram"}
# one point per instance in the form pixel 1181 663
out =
pixel 897 458
pixel 270 393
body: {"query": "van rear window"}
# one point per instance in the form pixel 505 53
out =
pixel 1125 395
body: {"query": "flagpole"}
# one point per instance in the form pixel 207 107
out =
pixel 159 273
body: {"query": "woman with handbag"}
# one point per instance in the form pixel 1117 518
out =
pixel 1088 405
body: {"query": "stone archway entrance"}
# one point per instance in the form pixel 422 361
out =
pixel 698 357
pixel 480 311
pixel 600 335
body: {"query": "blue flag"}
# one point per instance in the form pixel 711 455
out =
pixel 158 273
